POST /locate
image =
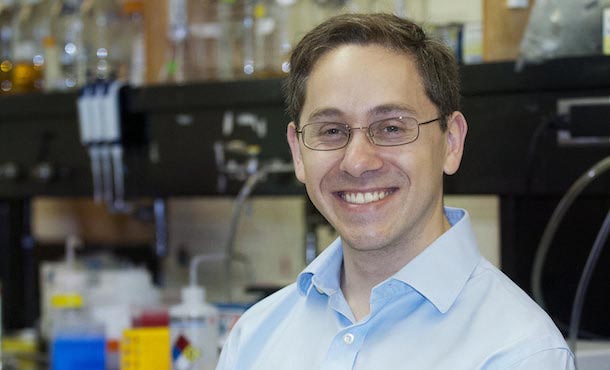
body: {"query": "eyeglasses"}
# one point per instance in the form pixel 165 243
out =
pixel 386 132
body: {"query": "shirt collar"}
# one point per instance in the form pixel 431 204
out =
pixel 324 271
pixel 438 273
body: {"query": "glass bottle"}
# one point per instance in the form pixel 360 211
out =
pixel 267 43
pixel 173 69
pixel 134 42
pixel 248 39
pixel 67 27
pixel 106 57
pixel 203 39
pixel 229 57
pixel 283 42
pixel 27 47
pixel 7 8
pixel 51 52
pixel 264 37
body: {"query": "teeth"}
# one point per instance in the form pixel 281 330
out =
pixel 363 198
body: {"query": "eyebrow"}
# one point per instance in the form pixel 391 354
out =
pixel 384 109
pixel 324 113
pixel 398 109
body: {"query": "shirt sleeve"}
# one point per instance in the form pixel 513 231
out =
pixel 550 359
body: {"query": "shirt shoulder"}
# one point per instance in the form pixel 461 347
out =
pixel 252 326
pixel 524 332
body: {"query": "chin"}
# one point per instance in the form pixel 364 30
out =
pixel 366 242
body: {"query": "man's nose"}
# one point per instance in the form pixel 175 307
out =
pixel 361 155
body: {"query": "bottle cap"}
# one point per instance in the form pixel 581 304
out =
pixel 69 300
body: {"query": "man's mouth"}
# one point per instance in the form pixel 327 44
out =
pixel 364 197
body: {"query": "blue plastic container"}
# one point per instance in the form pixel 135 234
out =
pixel 69 352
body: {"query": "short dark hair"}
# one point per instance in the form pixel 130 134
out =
pixel 434 60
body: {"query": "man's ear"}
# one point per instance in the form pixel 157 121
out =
pixel 295 149
pixel 456 136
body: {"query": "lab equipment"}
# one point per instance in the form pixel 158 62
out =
pixel 585 278
pixel 64 279
pixel 7 10
pixel 30 26
pixel 203 39
pixel 559 28
pixel 77 340
pixel 145 348
pixel 67 27
pixel 78 348
pixel 585 121
pixel 133 11
pixel 551 228
pixel 177 33
pixel 194 331
pixel 102 28
pixel 549 232
pixel 99 113
pixel 273 167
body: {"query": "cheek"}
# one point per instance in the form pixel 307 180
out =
pixel 309 171
pixel 423 167
pixel 435 153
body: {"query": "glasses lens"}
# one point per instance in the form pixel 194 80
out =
pixel 394 131
pixel 325 135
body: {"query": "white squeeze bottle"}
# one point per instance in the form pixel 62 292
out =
pixel 194 328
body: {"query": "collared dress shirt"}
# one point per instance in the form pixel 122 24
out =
pixel 449 308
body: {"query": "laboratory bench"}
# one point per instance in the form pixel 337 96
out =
pixel 201 139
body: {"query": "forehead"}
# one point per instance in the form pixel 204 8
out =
pixel 357 80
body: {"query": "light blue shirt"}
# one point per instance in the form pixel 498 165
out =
pixel 449 308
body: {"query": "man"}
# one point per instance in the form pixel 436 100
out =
pixel 375 105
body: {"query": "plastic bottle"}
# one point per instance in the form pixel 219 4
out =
pixel 194 327
pixel 77 340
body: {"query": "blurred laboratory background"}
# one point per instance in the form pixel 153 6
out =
pixel 145 175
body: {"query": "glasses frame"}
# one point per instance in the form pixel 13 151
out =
pixel 368 132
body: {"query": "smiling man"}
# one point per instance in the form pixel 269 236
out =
pixel 376 125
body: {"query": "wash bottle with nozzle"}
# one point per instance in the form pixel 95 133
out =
pixel 194 327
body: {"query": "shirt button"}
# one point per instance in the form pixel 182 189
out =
pixel 348 338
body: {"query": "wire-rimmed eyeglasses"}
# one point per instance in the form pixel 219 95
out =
pixel 386 132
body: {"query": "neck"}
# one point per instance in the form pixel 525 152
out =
pixel 363 270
